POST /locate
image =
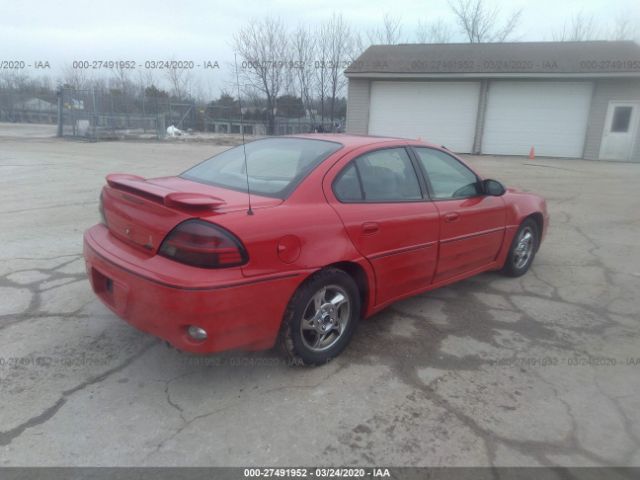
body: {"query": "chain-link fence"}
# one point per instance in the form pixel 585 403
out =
pixel 101 114
pixel 20 107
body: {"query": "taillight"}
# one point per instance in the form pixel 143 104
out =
pixel 203 244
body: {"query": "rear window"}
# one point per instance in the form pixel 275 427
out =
pixel 275 165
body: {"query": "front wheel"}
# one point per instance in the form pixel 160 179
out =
pixel 320 318
pixel 523 249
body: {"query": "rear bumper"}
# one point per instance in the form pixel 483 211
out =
pixel 162 299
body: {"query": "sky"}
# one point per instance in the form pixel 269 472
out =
pixel 61 31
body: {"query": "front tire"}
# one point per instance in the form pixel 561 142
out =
pixel 320 318
pixel 523 249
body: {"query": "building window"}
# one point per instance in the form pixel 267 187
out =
pixel 621 119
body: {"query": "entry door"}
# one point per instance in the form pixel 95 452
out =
pixel 620 128
pixel 472 225
pixel 382 206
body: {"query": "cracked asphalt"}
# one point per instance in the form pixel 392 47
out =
pixel 540 370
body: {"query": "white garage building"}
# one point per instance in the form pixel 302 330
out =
pixel 565 99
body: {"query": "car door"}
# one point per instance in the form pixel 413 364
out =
pixel 472 225
pixel 387 215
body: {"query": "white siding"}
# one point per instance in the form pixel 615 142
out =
pixel 358 106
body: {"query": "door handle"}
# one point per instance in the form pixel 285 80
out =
pixel 370 228
pixel 451 217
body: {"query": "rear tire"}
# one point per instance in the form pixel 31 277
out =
pixel 523 249
pixel 320 318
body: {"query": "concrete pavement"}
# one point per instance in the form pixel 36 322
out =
pixel 540 370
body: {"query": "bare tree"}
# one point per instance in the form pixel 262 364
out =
pixel 624 27
pixel 335 51
pixel 180 81
pixel 321 66
pixel 341 46
pixel 360 44
pixel 578 28
pixel 262 45
pixel 389 34
pixel 584 26
pixel 196 91
pixel 435 32
pixel 289 74
pixel 75 78
pixel 98 84
pixel 44 83
pixel 145 80
pixel 15 81
pixel 121 77
pixel 480 23
pixel 304 48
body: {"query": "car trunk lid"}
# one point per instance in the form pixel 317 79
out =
pixel 142 212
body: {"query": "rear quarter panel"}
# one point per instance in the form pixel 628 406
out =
pixel 291 237
pixel 301 235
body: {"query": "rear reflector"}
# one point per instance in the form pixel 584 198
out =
pixel 203 244
pixel 197 333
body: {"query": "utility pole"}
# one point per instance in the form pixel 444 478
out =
pixel 59 93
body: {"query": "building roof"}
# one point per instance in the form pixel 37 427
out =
pixel 593 58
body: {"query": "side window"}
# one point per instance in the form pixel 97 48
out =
pixel 448 177
pixel 381 176
pixel 347 186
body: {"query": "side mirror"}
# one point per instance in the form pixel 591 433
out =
pixel 493 188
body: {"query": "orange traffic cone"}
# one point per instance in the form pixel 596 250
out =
pixel 532 153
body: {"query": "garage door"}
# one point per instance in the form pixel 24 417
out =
pixel 443 113
pixel 550 116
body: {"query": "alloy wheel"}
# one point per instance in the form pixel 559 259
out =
pixel 524 248
pixel 325 318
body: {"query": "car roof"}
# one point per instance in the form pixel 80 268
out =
pixel 354 141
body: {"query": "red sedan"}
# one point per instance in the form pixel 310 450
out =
pixel 334 229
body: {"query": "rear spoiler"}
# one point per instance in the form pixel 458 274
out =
pixel 171 198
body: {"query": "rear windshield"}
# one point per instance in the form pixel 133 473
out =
pixel 275 165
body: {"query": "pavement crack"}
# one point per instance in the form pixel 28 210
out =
pixel 49 207
pixel 187 423
pixel 9 436
pixel 626 422
pixel 43 258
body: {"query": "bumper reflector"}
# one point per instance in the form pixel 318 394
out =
pixel 197 333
